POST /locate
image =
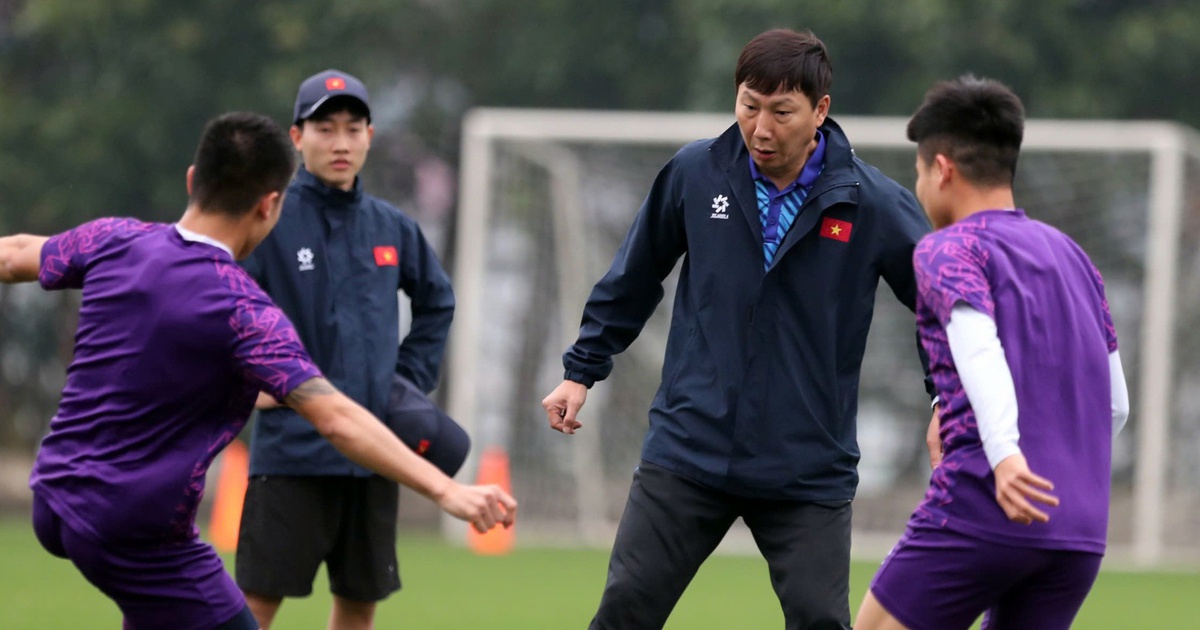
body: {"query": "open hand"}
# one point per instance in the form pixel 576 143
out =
pixel 1016 485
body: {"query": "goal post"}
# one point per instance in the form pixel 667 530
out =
pixel 546 196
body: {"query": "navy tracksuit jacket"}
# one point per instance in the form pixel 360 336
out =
pixel 759 387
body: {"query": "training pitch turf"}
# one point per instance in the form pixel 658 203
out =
pixel 449 588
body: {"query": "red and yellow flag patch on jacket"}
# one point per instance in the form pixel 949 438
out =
pixel 385 256
pixel 836 230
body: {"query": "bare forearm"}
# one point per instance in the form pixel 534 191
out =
pixel 369 443
pixel 365 440
pixel 20 258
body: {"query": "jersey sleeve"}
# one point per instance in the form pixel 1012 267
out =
pixel 951 267
pixel 65 256
pixel 267 349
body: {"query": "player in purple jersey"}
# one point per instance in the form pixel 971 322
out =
pixel 173 345
pixel 1024 358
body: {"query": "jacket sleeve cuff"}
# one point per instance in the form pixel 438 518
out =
pixel 579 377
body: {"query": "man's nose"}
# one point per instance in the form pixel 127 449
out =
pixel 762 126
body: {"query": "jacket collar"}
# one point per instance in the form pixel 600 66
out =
pixel 729 150
pixel 329 196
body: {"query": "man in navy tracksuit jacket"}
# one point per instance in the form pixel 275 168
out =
pixel 334 264
pixel 784 235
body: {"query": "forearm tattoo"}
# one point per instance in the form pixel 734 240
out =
pixel 308 390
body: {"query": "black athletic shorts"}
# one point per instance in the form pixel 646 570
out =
pixel 290 525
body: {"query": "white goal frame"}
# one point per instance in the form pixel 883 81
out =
pixel 1168 144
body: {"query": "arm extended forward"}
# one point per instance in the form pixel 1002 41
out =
pixel 20 258
pixel 366 441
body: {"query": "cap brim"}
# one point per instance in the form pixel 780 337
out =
pixel 304 115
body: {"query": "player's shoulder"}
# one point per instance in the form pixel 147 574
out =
pixel 248 310
pixel 123 225
pixel 1027 229
pixel 963 241
pixel 236 287
pixel 1065 243
pixel 1034 225
pixel 102 234
pixel 117 227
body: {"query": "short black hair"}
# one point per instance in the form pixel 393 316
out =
pixel 977 123
pixel 336 105
pixel 242 156
pixel 784 60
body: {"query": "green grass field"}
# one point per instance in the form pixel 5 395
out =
pixel 449 588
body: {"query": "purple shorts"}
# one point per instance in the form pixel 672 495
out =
pixel 181 586
pixel 943 580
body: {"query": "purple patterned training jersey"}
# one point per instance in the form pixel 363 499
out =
pixel 174 343
pixel 1047 300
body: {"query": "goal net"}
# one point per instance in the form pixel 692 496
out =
pixel 547 196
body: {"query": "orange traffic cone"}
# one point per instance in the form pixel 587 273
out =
pixel 493 469
pixel 226 517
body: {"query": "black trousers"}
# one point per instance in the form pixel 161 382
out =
pixel 672 524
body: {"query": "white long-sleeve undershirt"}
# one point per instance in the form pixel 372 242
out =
pixel 1120 392
pixel 988 383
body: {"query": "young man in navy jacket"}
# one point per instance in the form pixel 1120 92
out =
pixel 784 235
pixel 334 265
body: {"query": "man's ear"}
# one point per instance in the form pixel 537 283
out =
pixel 191 172
pixel 822 109
pixel 945 170
pixel 296 132
pixel 267 205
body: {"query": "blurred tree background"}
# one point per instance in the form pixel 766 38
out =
pixel 101 102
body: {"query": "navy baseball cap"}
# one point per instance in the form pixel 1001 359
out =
pixel 321 87
pixel 425 428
